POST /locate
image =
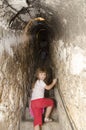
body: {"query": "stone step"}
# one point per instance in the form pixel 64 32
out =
pixel 27 116
pixel 28 125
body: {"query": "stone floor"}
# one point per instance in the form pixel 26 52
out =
pixel 28 125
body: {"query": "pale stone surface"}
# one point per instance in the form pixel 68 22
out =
pixel 69 58
pixel 72 85
pixel 14 71
pixel 17 4
pixel 62 115
pixel 72 79
pixel 47 126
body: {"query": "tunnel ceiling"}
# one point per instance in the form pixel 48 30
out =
pixel 16 14
pixel 42 31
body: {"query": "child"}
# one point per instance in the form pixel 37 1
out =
pixel 38 102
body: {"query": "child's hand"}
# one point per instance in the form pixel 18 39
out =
pixel 54 81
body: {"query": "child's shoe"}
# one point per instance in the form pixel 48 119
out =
pixel 47 120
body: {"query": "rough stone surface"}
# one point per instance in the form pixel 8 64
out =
pixel 72 79
pixel 14 78
pixel 68 58
pixel 64 121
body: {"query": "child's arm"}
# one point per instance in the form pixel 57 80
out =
pixel 48 87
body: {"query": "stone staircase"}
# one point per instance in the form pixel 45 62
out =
pixel 27 123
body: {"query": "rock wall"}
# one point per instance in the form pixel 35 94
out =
pixel 69 58
pixel 15 81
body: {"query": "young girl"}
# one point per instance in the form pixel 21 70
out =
pixel 38 102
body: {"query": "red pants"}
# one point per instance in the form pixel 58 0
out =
pixel 37 108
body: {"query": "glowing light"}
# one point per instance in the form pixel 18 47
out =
pixel 39 18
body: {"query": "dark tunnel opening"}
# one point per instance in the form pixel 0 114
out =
pixel 42 36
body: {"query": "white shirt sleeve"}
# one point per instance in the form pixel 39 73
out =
pixel 42 83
